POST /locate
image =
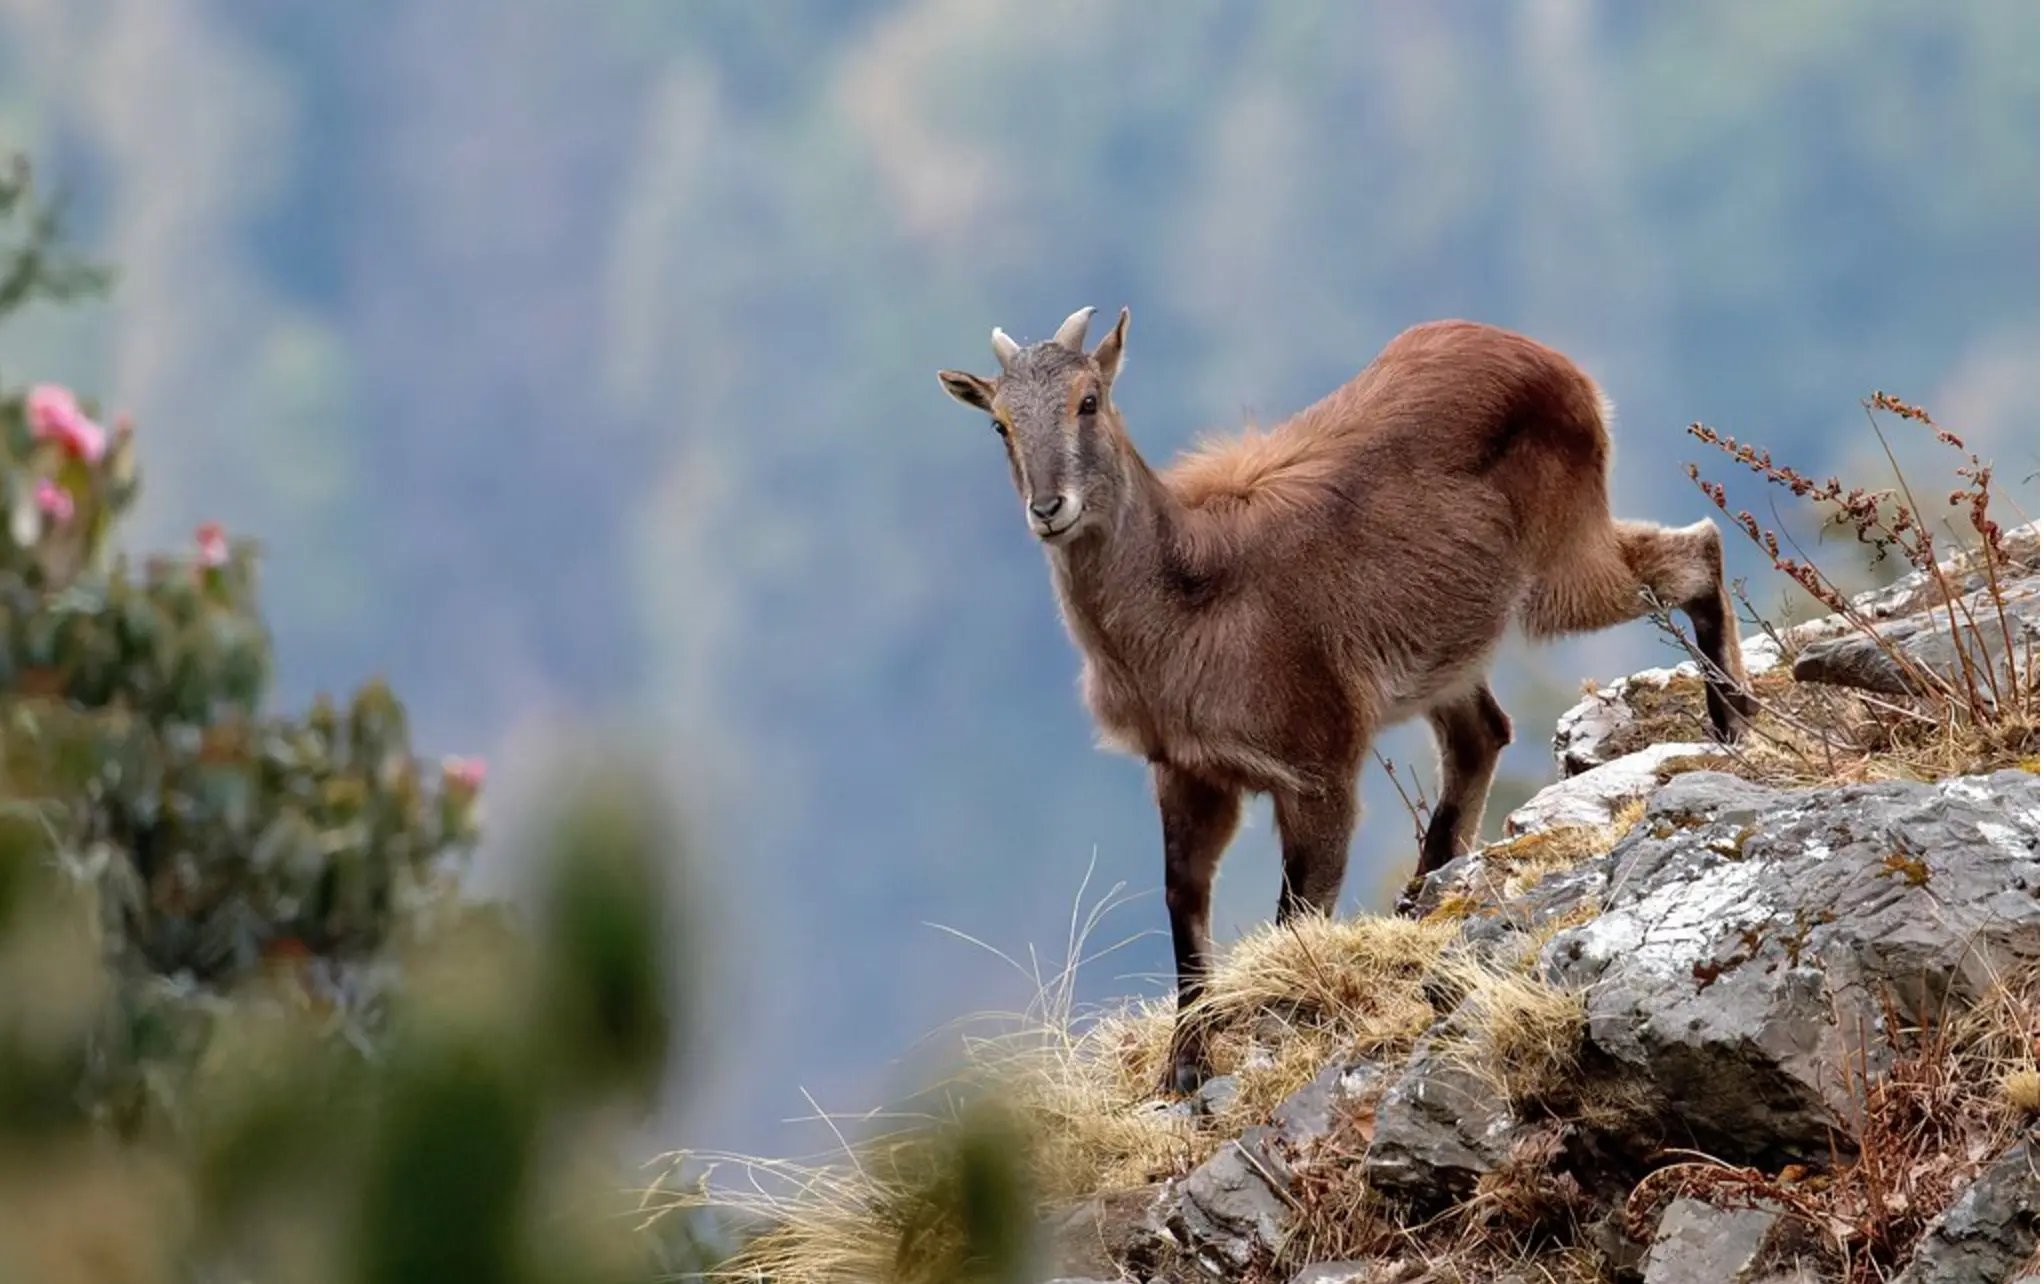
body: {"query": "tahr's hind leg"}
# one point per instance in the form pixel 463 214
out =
pixel 1727 694
pixel 1314 830
pixel 1599 582
pixel 1470 732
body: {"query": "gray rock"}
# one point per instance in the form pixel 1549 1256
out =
pixel 1211 1099
pixel 1622 1253
pixel 1495 923
pixel 1990 1229
pixel 1440 1127
pixel 1230 1212
pixel 1595 796
pixel 1760 652
pixel 1919 590
pixel 1216 1093
pixel 1697 1243
pixel 1926 639
pixel 1713 796
pixel 1500 926
pixel 1588 734
pixel 1751 935
pixel 1108 1236
pixel 1584 734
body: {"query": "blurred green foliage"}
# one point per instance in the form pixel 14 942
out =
pixel 250 1029
pixel 973 1228
pixel 222 845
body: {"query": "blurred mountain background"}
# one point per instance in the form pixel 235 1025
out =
pixel 576 359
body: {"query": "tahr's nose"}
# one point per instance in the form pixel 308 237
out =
pixel 1045 509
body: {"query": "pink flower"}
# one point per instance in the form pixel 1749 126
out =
pixel 466 772
pixel 212 544
pixel 53 413
pixel 50 407
pixel 54 500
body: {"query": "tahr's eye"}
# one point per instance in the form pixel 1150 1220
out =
pixel 1000 429
pixel 1089 404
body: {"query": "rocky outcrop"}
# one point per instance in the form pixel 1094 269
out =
pixel 1748 943
pixel 1111 1237
pixel 1932 650
pixel 1743 960
pixel 1596 796
pixel 1755 939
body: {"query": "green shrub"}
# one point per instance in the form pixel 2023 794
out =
pixel 249 1028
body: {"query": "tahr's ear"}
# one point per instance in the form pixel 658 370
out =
pixel 1109 352
pixel 968 388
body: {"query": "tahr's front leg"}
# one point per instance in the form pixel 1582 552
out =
pixel 1199 819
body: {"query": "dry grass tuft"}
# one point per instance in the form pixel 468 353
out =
pixel 1523 861
pixel 1814 735
pixel 1528 1204
pixel 1537 937
pixel 1284 1000
pixel 1279 1005
pixel 2019 1090
pixel 1455 905
pixel 1662 713
pixel 1506 871
pixel 1523 1036
pixel 1324 970
pixel 1995 1046
pixel 939 1200
pixel 1810 735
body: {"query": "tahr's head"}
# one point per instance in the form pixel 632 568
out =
pixel 1050 406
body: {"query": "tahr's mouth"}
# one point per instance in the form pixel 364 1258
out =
pixel 1054 532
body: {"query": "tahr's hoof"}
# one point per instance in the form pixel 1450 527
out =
pixel 1183 1076
pixel 1731 711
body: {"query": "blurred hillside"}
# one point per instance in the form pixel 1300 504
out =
pixel 579 357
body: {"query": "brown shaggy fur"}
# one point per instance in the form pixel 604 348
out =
pixel 1251 616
